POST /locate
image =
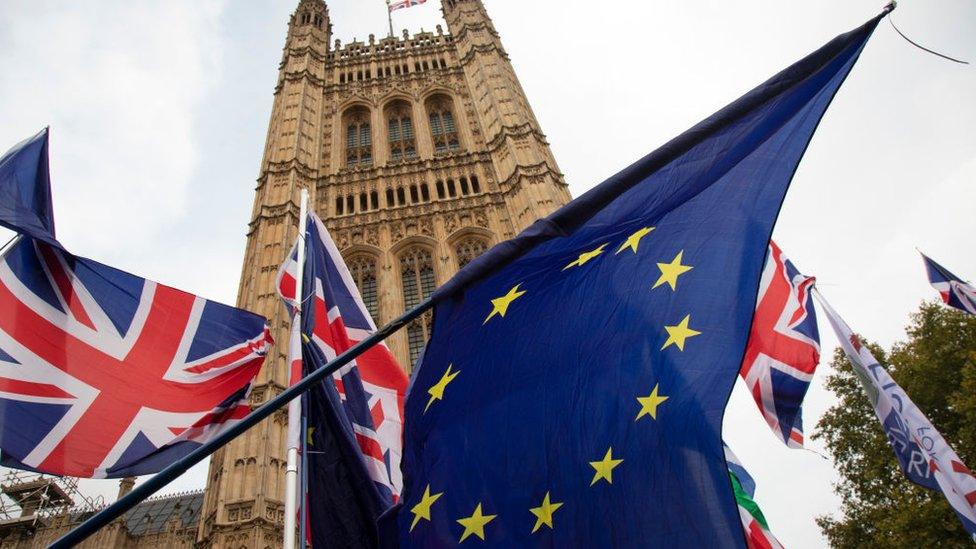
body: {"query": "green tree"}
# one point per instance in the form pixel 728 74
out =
pixel 936 366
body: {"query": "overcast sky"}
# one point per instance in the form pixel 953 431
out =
pixel 159 111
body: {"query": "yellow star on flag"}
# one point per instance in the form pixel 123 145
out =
pixel 604 468
pixel 650 403
pixel 634 240
pixel 475 524
pixel 421 511
pixel 544 513
pixel 501 304
pixel 437 391
pixel 585 257
pixel 678 334
pixel 671 271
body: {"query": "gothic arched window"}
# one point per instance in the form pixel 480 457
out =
pixel 363 271
pixel 359 138
pixel 468 249
pixel 403 143
pixel 417 276
pixel 442 126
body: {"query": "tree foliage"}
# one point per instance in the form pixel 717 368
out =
pixel 936 366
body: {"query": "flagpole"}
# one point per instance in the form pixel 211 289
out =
pixel 303 479
pixel 389 14
pixel 10 245
pixel 295 406
pixel 173 471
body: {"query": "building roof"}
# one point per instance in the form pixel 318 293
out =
pixel 152 516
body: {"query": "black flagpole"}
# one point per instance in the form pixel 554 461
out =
pixel 167 475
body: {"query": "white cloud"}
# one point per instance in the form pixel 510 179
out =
pixel 119 82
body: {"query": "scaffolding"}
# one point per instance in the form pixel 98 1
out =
pixel 31 500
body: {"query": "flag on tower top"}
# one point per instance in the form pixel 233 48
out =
pixel 573 390
pixel 952 289
pixel 403 4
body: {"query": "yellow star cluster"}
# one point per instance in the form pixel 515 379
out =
pixel 667 279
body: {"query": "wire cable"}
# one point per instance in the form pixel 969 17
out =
pixel 923 48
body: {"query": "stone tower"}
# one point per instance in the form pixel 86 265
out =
pixel 419 153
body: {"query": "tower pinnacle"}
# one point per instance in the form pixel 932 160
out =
pixel 311 15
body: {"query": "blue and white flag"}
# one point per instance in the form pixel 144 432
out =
pixel 954 292
pixel 573 390
pixel 924 456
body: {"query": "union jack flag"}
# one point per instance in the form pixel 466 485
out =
pixel 401 4
pixel 104 374
pixel 954 292
pixel 372 388
pixel 784 347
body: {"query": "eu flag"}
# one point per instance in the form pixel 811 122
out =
pixel 573 391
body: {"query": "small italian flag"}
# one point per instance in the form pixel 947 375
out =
pixel 754 522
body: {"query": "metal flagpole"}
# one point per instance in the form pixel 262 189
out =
pixel 295 406
pixel 389 14
pixel 170 473
pixel 303 479
pixel 10 245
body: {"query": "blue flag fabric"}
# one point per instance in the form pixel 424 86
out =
pixel 25 189
pixel 573 391
pixel 343 501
